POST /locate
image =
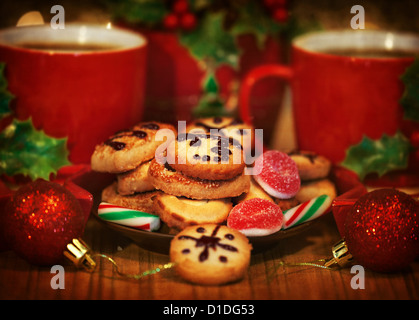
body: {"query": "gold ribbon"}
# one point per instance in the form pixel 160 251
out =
pixel 341 257
pixel 79 253
pixel 135 276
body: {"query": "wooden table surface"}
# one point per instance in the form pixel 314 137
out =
pixel 266 279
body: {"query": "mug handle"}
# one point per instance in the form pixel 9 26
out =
pixel 250 80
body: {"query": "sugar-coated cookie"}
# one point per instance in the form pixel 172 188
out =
pixel 210 254
pixel 180 212
pixel 312 189
pixel 139 201
pixel 134 181
pixel 127 149
pixel 206 156
pixel 278 174
pixel 310 165
pixel 256 217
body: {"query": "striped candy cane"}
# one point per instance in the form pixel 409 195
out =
pixel 128 217
pixel 307 211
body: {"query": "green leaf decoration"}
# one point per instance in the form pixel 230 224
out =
pixel 252 19
pixel 25 150
pixel 5 95
pixel 410 97
pixel 149 12
pixel 209 41
pixel 210 84
pixel 210 103
pixel 380 156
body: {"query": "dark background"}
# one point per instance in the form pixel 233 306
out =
pixel 392 15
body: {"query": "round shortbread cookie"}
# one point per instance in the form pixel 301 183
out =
pixel 210 254
pixel 135 180
pixel 310 165
pixel 286 204
pixel 313 189
pixel 206 156
pixel 255 191
pixel 127 149
pixel 165 178
pixel 180 212
pixel 139 201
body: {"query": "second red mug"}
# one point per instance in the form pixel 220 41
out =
pixel 344 85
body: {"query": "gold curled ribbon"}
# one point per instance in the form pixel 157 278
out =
pixel 134 276
pixel 79 253
pixel 341 257
pixel 315 263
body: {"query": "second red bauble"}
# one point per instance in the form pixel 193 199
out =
pixel 382 230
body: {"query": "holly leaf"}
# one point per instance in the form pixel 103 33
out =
pixel 25 150
pixel 410 98
pixel 380 156
pixel 139 11
pixel 5 95
pixel 252 19
pixel 209 41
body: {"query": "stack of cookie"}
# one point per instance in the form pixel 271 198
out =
pixel 128 154
pixel 200 175
pixel 314 171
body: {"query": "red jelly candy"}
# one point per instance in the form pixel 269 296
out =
pixel 278 174
pixel 256 217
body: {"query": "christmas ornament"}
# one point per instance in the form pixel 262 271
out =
pixel 381 232
pixel 40 219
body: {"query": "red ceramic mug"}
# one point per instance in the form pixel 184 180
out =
pixel 344 84
pixel 83 82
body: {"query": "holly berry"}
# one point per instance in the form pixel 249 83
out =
pixel 188 21
pixel 180 6
pixel 171 21
pixel 269 3
pixel 277 9
pixel 414 139
pixel 272 4
pixel 280 14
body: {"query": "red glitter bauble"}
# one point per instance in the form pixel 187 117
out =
pixel 382 230
pixel 40 219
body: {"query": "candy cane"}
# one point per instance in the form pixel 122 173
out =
pixel 307 211
pixel 128 217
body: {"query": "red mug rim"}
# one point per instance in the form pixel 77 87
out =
pixel 358 39
pixel 125 39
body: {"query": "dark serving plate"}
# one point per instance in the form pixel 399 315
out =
pixel 159 241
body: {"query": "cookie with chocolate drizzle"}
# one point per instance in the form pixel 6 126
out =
pixel 226 126
pixel 127 149
pixel 206 156
pixel 210 254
